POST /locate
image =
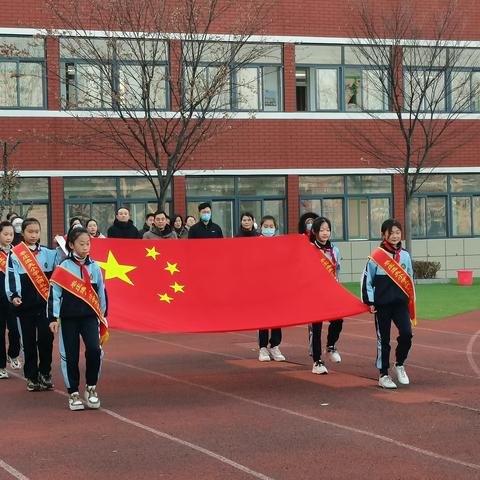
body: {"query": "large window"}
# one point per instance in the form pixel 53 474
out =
pixel 231 196
pixel 109 73
pixel 447 206
pixel 356 205
pixel 22 72
pixel 99 197
pixel 336 78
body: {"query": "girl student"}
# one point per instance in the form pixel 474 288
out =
pixel 268 228
pixel 305 223
pixel 387 287
pixel 320 238
pixel 29 267
pixel 7 319
pixel 76 307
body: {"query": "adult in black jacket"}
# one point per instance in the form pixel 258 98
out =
pixel 247 227
pixel 122 227
pixel 205 228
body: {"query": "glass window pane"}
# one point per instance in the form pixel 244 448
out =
pixel 436 216
pixel 261 186
pixel 210 186
pixel 222 214
pixel 93 187
pixel 137 213
pixel 138 187
pixel 413 88
pixel 275 208
pixel 327 89
pixel 434 90
pixel 141 50
pixel 130 88
pixel 364 55
pixel 259 53
pixel 22 47
pixel 353 89
pixel 318 54
pixel 158 87
pixel 30 84
pixel 86 49
pixel 460 90
pixel 247 88
pixel 90 87
pixel 358 218
pixel 104 214
pixel 476 91
pixel 465 183
pixel 333 210
pixel 32 189
pixel 313 185
pixel 271 89
pixel 373 90
pixel 417 214
pixel 8 84
pixel 461 216
pixel 218 83
pixel 379 212
pixel 310 205
pixel 369 184
pixel 40 212
pixel 82 210
pixel 424 56
pixel 432 183
pixel 476 215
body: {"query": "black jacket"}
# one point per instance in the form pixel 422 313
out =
pixel 123 230
pixel 247 233
pixel 210 230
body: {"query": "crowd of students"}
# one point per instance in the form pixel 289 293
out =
pixel 46 292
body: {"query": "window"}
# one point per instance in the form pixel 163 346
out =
pixel 230 196
pixel 130 74
pixel 22 78
pixel 424 90
pixel 332 84
pixel 356 205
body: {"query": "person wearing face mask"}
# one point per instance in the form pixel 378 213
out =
pixel 122 226
pixel 17 229
pixel 205 228
pixel 305 223
pixel 247 226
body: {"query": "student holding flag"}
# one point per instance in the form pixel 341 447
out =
pixel 26 283
pixel 388 289
pixel 330 258
pixel 76 307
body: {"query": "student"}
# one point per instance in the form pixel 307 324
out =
pixel 247 228
pixel 29 267
pixel 387 287
pixel 122 226
pixel 330 256
pixel 160 230
pixel 205 228
pixel 305 223
pixel 75 222
pixel 92 227
pixel 77 297
pixel 17 228
pixel 268 228
pixel 7 319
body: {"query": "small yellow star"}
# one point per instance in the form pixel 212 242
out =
pixel 151 252
pixel 114 270
pixel 177 288
pixel 165 297
pixel 172 268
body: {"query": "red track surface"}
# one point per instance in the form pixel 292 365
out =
pixel 203 407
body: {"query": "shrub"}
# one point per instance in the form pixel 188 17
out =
pixel 422 269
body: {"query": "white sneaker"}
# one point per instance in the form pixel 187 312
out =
pixel 319 368
pixel 3 373
pixel 276 354
pixel 334 355
pixel 385 381
pixel 402 375
pixel 75 402
pixel 15 363
pixel 263 355
pixel 91 397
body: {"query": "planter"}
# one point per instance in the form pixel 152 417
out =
pixel 423 281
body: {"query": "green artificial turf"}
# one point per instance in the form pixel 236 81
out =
pixel 437 301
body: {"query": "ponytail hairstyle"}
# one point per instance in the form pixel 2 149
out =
pixel 73 234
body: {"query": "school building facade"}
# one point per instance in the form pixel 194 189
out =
pixel 287 159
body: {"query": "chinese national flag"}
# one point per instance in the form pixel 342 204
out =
pixel 218 285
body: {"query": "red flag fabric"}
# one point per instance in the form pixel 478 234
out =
pixel 218 285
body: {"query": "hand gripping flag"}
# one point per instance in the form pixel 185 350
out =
pixel 218 285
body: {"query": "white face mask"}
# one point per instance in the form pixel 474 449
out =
pixel 17 228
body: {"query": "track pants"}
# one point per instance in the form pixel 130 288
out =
pixel 400 315
pixel 334 329
pixel 275 337
pixel 69 333
pixel 37 342
pixel 8 321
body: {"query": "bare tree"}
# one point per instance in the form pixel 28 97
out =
pixel 156 81
pixel 9 176
pixel 428 86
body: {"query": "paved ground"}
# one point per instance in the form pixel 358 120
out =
pixel 203 407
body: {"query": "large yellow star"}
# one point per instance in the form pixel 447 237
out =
pixel 165 297
pixel 172 268
pixel 151 252
pixel 114 270
pixel 177 288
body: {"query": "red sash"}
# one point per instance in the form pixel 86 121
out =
pixel 3 261
pixel 84 291
pixel 399 276
pixel 327 263
pixel 35 273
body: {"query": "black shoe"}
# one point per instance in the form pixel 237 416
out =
pixel 46 381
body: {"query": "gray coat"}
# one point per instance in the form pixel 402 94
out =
pixel 155 234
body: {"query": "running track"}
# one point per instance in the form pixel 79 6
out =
pixel 202 407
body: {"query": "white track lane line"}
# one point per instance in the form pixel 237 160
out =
pixel 463 407
pixel 12 471
pixel 381 438
pixel 470 354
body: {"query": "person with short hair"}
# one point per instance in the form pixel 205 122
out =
pixel 147 224
pixel 247 226
pixel 92 228
pixel 205 228
pixel 160 230
pixel 123 226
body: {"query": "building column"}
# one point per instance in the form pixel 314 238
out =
pixel 293 203
pixel 57 206
pixel 53 70
pixel 179 196
pixel 398 199
pixel 289 82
